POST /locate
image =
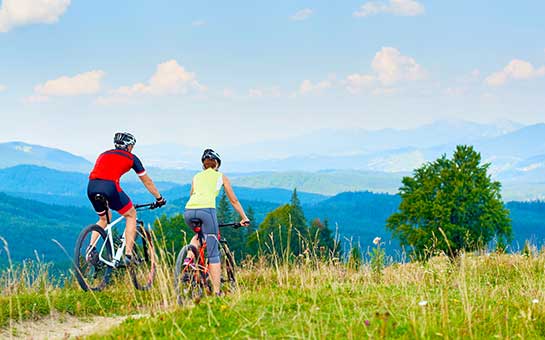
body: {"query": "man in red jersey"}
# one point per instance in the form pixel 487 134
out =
pixel 104 180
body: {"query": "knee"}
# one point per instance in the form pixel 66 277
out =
pixel 130 214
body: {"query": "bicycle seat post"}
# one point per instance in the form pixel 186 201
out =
pixel 196 225
pixel 100 198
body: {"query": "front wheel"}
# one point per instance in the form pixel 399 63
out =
pixel 145 260
pixel 91 272
pixel 228 268
pixel 189 280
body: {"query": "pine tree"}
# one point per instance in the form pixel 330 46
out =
pixel 223 210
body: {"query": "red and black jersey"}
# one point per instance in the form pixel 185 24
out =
pixel 113 164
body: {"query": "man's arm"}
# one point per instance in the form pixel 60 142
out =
pixel 148 183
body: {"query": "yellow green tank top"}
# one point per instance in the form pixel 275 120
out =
pixel 206 187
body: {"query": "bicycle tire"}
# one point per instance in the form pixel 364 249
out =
pixel 188 281
pixel 144 267
pixel 228 268
pixel 91 273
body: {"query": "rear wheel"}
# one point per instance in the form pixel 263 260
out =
pixel 144 258
pixel 228 268
pixel 90 270
pixel 189 280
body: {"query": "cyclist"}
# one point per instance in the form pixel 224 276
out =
pixel 205 188
pixel 104 180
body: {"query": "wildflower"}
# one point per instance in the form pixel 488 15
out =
pixel 377 240
pixel 367 322
pixel 534 301
pixel 423 303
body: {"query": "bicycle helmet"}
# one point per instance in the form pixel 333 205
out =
pixel 211 154
pixel 122 140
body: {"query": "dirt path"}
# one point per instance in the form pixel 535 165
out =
pixel 61 327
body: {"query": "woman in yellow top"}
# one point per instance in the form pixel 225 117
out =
pixel 205 188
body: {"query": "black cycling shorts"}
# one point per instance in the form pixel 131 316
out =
pixel 117 199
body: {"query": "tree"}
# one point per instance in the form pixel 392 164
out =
pixel 281 232
pixel 171 233
pixel 320 237
pixel 223 211
pixel 225 214
pixel 450 205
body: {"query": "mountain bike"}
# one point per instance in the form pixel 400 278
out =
pixel 192 281
pixel 93 264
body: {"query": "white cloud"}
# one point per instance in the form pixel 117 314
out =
pixel 308 87
pixel 392 67
pixel 198 23
pixel 264 92
pixel 395 7
pixel 516 69
pixel 169 79
pixel 3 88
pixel 355 83
pixel 302 14
pixel 80 84
pixel 22 12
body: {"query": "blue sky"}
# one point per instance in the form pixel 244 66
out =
pixel 244 71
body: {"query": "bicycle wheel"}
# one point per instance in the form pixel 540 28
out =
pixel 145 260
pixel 90 271
pixel 188 280
pixel 228 268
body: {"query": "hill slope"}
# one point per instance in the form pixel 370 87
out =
pixel 17 153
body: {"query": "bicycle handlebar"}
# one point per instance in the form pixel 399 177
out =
pixel 235 225
pixel 150 206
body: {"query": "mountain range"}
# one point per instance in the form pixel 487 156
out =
pixel 328 162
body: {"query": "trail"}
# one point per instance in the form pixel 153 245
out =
pixel 60 326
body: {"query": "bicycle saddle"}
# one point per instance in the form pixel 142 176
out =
pixel 195 224
pixel 100 198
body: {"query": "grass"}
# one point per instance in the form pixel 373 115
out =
pixel 479 296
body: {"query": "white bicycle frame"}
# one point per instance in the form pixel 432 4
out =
pixel 109 236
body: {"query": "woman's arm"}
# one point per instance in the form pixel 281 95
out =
pixel 234 201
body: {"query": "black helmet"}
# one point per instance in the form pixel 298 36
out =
pixel 211 154
pixel 122 140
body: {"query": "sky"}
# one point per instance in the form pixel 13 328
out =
pixel 73 72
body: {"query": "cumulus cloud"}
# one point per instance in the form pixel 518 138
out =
pixel 169 79
pixel 301 15
pixel 389 67
pixel 355 83
pixel 23 12
pixel 395 7
pixel 308 87
pixel 80 84
pixel 516 69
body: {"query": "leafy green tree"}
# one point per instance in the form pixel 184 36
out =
pixel 171 233
pixel 450 205
pixel 321 238
pixel 280 232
